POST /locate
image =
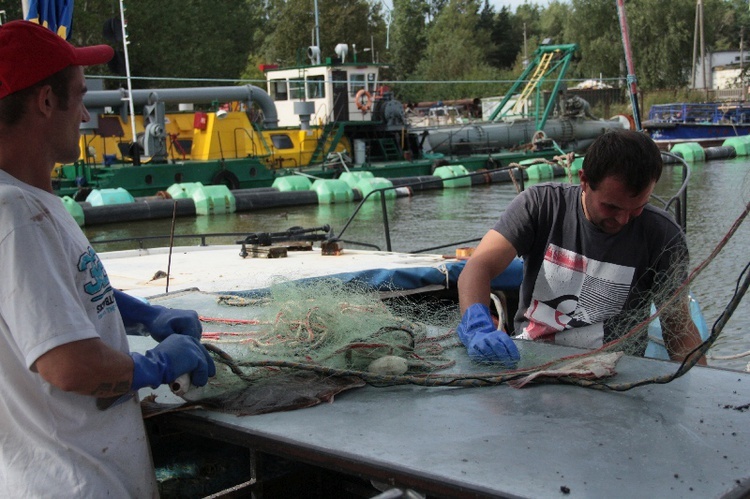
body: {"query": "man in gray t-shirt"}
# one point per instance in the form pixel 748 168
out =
pixel 595 256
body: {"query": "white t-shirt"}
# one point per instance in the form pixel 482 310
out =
pixel 54 290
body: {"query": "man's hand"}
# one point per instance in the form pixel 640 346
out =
pixel 159 321
pixel 176 355
pixel 483 341
pixel 166 321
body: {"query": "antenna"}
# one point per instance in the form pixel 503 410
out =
pixel 388 19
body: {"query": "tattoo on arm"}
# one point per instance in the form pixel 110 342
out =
pixel 107 389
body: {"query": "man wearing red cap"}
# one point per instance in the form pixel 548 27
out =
pixel 64 354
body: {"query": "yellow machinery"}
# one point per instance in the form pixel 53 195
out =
pixel 202 136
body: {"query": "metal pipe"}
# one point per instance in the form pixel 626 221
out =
pixel 206 95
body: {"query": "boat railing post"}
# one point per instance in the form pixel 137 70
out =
pixel 680 198
pixel 386 227
pixel 384 207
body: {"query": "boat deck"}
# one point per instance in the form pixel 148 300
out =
pixel 688 438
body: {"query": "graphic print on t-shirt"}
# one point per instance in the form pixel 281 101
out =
pixel 573 291
pixel 96 283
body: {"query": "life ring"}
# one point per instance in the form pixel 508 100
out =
pixel 363 99
pixel 225 177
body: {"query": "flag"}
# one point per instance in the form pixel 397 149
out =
pixel 57 15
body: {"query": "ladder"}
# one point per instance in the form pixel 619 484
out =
pixel 391 152
pixel 549 60
pixel 536 78
pixel 321 151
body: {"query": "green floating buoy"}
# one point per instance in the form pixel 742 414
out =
pixel 332 191
pixel 448 174
pixel 690 151
pixel 292 183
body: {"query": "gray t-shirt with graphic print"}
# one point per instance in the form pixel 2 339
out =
pixel 582 285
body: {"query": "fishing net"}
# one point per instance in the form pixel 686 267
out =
pixel 299 343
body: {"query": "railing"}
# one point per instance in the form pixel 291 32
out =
pixel 384 208
pixel 677 204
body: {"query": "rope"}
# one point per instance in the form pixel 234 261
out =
pixel 463 380
pixel 729 357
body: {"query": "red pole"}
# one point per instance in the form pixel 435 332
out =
pixel 629 63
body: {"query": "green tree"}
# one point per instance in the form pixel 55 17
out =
pixel 507 40
pixel 206 40
pixel 663 41
pixel 434 8
pixel 726 23
pixel 455 52
pixel 357 23
pixel 553 22
pixel 596 29
pixel 408 37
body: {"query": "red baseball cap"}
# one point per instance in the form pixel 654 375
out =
pixel 29 53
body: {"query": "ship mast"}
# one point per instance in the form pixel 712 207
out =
pixel 131 107
pixel 632 80
pixel 317 34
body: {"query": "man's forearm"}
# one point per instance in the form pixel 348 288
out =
pixel 681 336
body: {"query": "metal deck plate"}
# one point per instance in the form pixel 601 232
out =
pixel 685 438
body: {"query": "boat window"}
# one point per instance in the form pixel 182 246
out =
pixel 297 88
pixel 356 83
pixel 279 90
pixel 372 82
pixel 316 87
pixel 282 141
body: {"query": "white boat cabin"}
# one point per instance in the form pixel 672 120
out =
pixel 332 91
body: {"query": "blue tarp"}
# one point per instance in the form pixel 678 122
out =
pixel 414 278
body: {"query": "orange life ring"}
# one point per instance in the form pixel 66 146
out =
pixel 365 104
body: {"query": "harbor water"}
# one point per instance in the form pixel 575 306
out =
pixel 717 194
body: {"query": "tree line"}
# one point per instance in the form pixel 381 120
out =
pixel 434 49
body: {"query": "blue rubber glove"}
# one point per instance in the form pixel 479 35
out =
pixel 483 341
pixel 176 355
pixel 159 321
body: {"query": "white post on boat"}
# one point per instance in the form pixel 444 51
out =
pixel 125 43
pixel 317 34
pixel 695 45
pixel 632 80
pixel 703 49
